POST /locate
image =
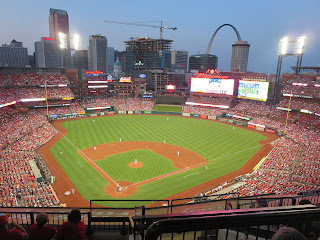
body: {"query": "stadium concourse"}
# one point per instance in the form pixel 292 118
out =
pixel 291 167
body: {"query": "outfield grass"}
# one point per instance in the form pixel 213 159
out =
pixel 227 150
pixel 167 108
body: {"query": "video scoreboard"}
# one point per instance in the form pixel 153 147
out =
pixel 253 90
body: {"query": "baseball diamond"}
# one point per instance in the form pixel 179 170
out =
pixel 99 166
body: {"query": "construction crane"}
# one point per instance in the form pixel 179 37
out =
pixel 143 25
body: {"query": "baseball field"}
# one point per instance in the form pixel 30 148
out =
pixel 146 156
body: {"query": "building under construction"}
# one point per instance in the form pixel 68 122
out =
pixel 143 54
pixel 152 57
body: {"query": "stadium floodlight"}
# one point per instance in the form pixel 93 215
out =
pixel 283 46
pixel 299 45
pixel 76 41
pixel 63 40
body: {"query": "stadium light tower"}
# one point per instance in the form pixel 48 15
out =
pixel 62 40
pixel 298 50
pixel 284 52
pixel 76 42
pixel 63 46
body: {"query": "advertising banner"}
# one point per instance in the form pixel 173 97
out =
pixel 212 117
pixel 203 116
pixel 259 128
pixel 186 114
pixel 270 130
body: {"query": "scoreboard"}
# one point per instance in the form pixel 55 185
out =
pixel 212 85
pixel 253 90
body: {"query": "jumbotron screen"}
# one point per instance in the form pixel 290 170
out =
pixel 212 85
pixel 253 90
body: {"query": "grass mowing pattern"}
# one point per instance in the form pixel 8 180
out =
pixel 226 149
pixel 167 108
pixel 154 165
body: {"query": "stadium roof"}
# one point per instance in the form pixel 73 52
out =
pixel 307 69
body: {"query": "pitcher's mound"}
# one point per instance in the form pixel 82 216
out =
pixel 134 165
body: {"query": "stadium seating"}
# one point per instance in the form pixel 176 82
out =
pixel 291 167
pixel 122 104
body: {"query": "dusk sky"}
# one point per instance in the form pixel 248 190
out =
pixel 261 23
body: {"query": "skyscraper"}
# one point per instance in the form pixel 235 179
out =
pixel 47 53
pixel 179 59
pixel 98 53
pixel 14 55
pixel 203 62
pixel 240 55
pixel 80 59
pixel 146 53
pixel 59 31
pixel 110 59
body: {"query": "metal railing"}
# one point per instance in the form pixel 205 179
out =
pixel 236 225
pixel 139 218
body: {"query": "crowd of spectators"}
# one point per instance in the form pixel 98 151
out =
pixel 15 87
pixel 32 79
pixel 74 228
pixel 201 110
pixel 24 130
pixel 121 104
pixel 302 85
pixel 313 106
pixel 18 186
pixel 16 94
pixel 253 108
pixel 294 104
pixel 210 100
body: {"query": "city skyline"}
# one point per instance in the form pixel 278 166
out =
pixel 262 24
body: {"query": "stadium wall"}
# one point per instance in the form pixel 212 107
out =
pixel 170 100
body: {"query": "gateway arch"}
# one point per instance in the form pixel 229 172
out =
pixel 240 50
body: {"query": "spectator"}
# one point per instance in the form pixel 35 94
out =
pixel 42 231
pixel 73 229
pixel 16 232
pixel 288 233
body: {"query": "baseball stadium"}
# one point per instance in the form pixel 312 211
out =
pixel 136 162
